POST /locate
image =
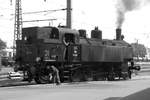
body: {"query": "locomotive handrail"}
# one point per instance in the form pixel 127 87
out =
pixel 64 41
pixel 88 41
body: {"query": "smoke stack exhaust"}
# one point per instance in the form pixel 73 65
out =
pixel 124 6
pixel 118 34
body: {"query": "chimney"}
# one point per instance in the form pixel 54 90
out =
pixel 118 34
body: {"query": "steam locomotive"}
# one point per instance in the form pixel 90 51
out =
pixel 77 57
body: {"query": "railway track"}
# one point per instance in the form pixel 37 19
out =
pixel 5 81
pixel 14 82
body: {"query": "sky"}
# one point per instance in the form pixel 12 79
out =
pixel 86 14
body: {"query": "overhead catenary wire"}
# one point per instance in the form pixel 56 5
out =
pixel 40 20
pixel 39 12
pixel 44 11
pixel 4 8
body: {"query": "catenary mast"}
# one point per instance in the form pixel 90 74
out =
pixel 18 23
pixel 68 14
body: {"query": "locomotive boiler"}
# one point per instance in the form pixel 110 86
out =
pixel 77 57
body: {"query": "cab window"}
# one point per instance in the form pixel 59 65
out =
pixel 54 33
pixel 70 38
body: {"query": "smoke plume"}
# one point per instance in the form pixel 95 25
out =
pixel 124 6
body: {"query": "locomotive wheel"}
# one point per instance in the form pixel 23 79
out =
pixel 111 77
pixel 88 76
pixel 42 79
pixel 37 80
pixel 76 76
pixel 45 79
pixel 125 76
pixel 31 73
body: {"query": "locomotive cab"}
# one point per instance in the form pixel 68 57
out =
pixel 72 49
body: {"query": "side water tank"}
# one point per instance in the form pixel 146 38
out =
pixel 96 33
pixel 82 33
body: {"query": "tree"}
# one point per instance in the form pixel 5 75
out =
pixel 2 44
pixel 139 50
pixel 2 47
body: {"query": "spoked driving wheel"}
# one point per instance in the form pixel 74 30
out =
pixel 43 79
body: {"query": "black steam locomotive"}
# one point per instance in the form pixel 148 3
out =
pixel 77 57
